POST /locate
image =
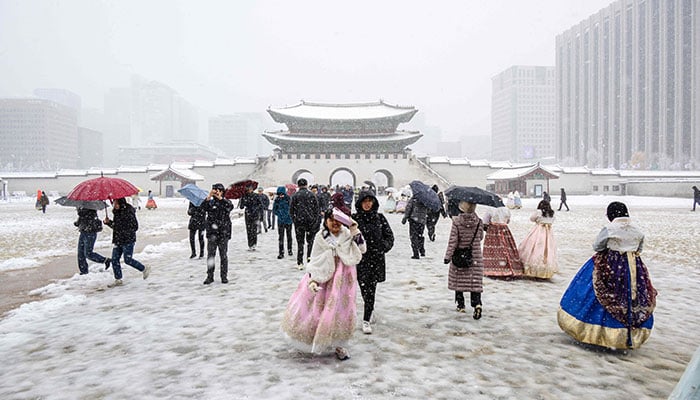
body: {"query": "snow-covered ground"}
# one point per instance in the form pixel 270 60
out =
pixel 172 337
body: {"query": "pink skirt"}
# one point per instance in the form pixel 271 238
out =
pixel 320 322
pixel 538 252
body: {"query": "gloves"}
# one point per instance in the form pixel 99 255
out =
pixel 446 261
pixel 354 230
pixel 313 286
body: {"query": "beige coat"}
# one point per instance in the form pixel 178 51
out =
pixel 466 279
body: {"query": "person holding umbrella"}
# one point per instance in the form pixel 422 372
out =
pixel 124 227
pixel 416 214
pixel 88 224
pixel 218 226
pixel 466 232
pixel 434 216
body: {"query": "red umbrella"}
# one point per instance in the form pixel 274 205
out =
pixel 102 189
pixel 238 189
pixel 291 188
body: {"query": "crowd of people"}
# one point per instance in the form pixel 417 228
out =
pixel 609 303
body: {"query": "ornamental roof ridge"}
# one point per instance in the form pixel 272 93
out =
pixel 381 102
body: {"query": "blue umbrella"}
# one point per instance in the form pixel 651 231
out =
pixel 193 193
pixel 425 195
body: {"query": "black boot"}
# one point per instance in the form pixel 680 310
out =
pixel 209 280
pixel 280 256
pixel 193 255
pixel 108 263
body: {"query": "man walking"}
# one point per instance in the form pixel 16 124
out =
pixel 562 200
pixel 696 196
pixel 218 226
pixel 124 227
pixel 304 210
pixel 250 202
pixel 417 215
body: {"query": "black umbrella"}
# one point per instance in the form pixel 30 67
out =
pixel 91 205
pixel 473 194
pixel 425 195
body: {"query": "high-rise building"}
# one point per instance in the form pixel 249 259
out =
pixel 90 148
pixel 523 114
pixel 37 134
pixel 238 134
pixel 628 81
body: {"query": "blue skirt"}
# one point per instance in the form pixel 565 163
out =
pixel 583 317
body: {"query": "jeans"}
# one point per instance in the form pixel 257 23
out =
pixel 86 242
pixel 128 251
pixel 271 217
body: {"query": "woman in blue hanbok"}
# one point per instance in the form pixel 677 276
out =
pixel 610 301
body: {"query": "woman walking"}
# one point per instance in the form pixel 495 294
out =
pixel 320 315
pixel 151 203
pixel 610 302
pixel 466 232
pixel 501 258
pixel 538 251
pixel 380 239
pixel 280 208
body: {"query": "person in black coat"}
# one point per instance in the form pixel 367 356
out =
pixel 304 211
pixel 546 197
pixel 417 215
pixel 562 200
pixel 196 227
pixel 124 227
pixel 250 202
pixel 324 199
pixel 264 204
pixel 434 216
pixel 88 224
pixel 218 226
pixel 380 239
pixel 696 196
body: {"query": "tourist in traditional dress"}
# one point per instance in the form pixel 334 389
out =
pixel 401 204
pixel 517 201
pixel 43 201
pixel 501 258
pixel 380 239
pixel 610 302
pixel 320 315
pixel 271 217
pixel 510 200
pixel 151 203
pixel 390 203
pixel 538 251
pixel 467 230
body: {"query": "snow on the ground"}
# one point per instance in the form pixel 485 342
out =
pixel 172 337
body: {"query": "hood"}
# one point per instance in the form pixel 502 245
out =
pixel 338 202
pixel 281 190
pixel 361 197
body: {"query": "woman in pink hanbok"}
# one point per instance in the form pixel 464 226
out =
pixel 320 315
pixel 538 251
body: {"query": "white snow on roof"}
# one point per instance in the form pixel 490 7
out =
pixel 203 163
pixel 479 163
pixel 20 175
pixel 343 111
pixel 459 161
pixel 439 160
pixel 513 173
pixel 71 172
pixel 132 168
pixel 575 170
pixel 659 174
pixel 604 171
pixel 359 139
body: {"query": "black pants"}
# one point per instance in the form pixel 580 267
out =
pixel 695 202
pixel 415 230
pixel 563 203
pixel 368 289
pixel 475 298
pixel 430 224
pixel 306 235
pixel 213 243
pixel 251 230
pixel 200 235
pixel 283 229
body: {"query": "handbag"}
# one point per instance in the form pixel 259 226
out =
pixel 462 257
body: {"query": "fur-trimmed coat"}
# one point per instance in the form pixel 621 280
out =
pixel 466 279
pixel 322 264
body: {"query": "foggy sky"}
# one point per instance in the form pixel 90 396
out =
pixel 232 56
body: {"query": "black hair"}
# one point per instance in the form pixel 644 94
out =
pixel 617 209
pixel 326 215
pixel 546 209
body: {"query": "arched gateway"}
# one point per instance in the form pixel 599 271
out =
pixel 332 141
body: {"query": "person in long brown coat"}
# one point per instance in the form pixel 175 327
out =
pixel 465 226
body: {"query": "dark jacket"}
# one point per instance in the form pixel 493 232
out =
pixel 264 202
pixel 696 193
pixel 197 217
pixel 324 200
pixel 304 209
pixel 562 196
pixel 378 236
pixel 252 205
pixel 280 207
pixel 546 197
pixel 416 211
pixel 88 221
pixel 124 225
pixel 218 222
